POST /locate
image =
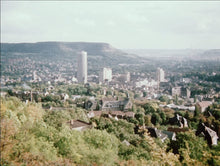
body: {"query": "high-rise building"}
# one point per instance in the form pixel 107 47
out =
pixel 105 75
pixel 34 76
pixel 82 67
pixel 160 75
pixel 128 77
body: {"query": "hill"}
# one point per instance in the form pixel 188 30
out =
pixel 213 54
pixel 63 53
pixel 181 54
pixel 60 47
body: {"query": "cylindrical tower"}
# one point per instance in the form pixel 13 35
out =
pixel 82 67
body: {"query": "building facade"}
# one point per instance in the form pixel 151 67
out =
pixel 160 75
pixel 82 68
pixel 180 91
pixel 105 75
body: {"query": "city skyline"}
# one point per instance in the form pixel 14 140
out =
pixel 124 25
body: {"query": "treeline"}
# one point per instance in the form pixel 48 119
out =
pixel 33 136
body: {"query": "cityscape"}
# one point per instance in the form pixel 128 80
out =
pixel 86 101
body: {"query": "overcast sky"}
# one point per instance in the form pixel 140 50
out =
pixel 125 25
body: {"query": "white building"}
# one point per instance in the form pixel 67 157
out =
pixel 160 75
pixel 105 75
pixel 82 68
pixel 127 77
pixel 34 75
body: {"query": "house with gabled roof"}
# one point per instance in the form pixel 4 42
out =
pixel 121 105
pixel 161 134
pixel 209 134
pixel 154 132
pixel 179 120
pixel 79 125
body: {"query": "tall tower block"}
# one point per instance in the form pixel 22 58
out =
pixel 160 75
pixel 105 74
pixel 82 67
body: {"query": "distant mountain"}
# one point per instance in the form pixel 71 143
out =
pixel 163 53
pixel 98 53
pixel 61 47
pixel 212 53
pixel 195 54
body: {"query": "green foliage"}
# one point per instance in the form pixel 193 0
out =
pixel 150 107
pixel 164 99
pixel 147 120
pixel 121 128
pixel 216 113
pixel 140 118
pixel 144 94
pixel 132 152
pixel 188 145
pixel 58 118
pixel 33 136
pixel 196 112
pixel 163 117
pixel 155 119
pixel 51 98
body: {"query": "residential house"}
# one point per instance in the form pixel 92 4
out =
pixel 162 135
pixel 64 96
pixel 111 114
pixel 154 132
pixel 181 91
pixel 203 105
pixel 122 105
pixel 92 114
pixel 178 120
pixel 171 135
pixel 209 134
pixel 92 105
pixel 79 125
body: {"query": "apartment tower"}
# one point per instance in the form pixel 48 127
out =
pixel 160 75
pixel 82 67
pixel 105 75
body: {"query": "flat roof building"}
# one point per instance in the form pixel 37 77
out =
pixel 105 75
pixel 160 75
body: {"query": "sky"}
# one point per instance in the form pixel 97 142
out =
pixel 123 24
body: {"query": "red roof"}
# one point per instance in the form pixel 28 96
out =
pixel 205 103
pixel 77 123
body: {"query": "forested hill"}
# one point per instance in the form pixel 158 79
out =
pixel 98 53
pixel 61 47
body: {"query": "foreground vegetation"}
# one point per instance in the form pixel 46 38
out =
pixel 31 135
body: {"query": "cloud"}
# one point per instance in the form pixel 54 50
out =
pixel 85 22
pixel 124 24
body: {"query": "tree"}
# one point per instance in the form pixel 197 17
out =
pixel 164 98
pixel 10 93
pixel 189 147
pixel 163 117
pixel 186 115
pixel 147 120
pixel 97 106
pixel 196 112
pixel 144 94
pixel 140 118
pixel 155 119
